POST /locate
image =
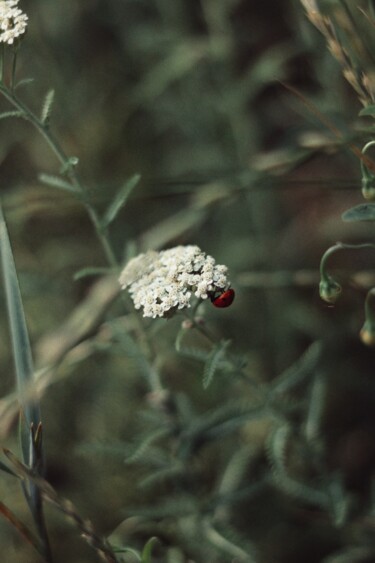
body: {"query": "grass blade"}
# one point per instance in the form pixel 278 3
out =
pixel 18 329
pixel 147 550
pixel 30 423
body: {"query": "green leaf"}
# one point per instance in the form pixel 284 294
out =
pixel 30 420
pixel 213 361
pixel 363 212
pixel 90 271
pixel 56 182
pixel 18 329
pixel 189 351
pixel 147 550
pixel 6 469
pixel 146 443
pixel 15 113
pixel 127 550
pixel 24 82
pixel 47 106
pixel 369 110
pixel 120 200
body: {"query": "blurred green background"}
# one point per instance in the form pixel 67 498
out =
pixel 190 95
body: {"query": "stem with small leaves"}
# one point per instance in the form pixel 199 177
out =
pixel 68 167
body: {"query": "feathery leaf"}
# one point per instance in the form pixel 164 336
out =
pixel 47 106
pixel 213 361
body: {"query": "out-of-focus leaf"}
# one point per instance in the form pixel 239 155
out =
pixel 56 182
pixel 18 329
pixel 120 200
pixel 147 550
pixel 172 68
pixel 212 362
pixel 24 82
pixel 47 106
pixel 369 110
pixel 90 271
pixel 363 212
pixel 30 425
pixel 15 113
pixel 6 469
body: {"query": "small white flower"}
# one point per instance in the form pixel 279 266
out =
pixel 13 22
pixel 162 282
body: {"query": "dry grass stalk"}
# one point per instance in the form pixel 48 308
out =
pixel 361 80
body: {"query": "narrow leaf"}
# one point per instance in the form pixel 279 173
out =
pixel 90 271
pixel 18 329
pixel 30 413
pixel 213 361
pixel 56 182
pixel 369 110
pixel 363 212
pixel 120 200
pixel 127 550
pixel 147 550
pixel 24 82
pixel 47 106
pixel 6 469
pixel 144 445
pixel 15 113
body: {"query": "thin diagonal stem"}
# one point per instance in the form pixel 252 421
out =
pixel 67 166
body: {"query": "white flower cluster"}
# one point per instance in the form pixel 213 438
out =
pixel 13 22
pixel 162 282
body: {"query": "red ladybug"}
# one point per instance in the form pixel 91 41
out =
pixel 224 299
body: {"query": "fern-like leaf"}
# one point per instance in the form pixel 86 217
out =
pixel 299 371
pixel 146 443
pixel 277 453
pixel 16 113
pixel 213 361
pixel 47 106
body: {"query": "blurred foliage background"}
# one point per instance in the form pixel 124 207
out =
pixel 191 95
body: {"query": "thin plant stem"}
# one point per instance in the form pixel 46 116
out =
pixel 13 74
pixel 340 246
pixel 67 167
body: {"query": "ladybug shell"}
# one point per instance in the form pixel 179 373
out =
pixel 225 299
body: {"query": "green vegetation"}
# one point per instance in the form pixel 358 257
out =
pixel 224 431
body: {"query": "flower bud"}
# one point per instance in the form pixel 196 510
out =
pixel 329 289
pixel 367 333
pixel 368 188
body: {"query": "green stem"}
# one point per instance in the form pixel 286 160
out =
pixel 13 75
pixel 335 248
pixel 66 165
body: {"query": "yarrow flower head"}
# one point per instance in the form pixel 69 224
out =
pixel 162 282
pixel 13 22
